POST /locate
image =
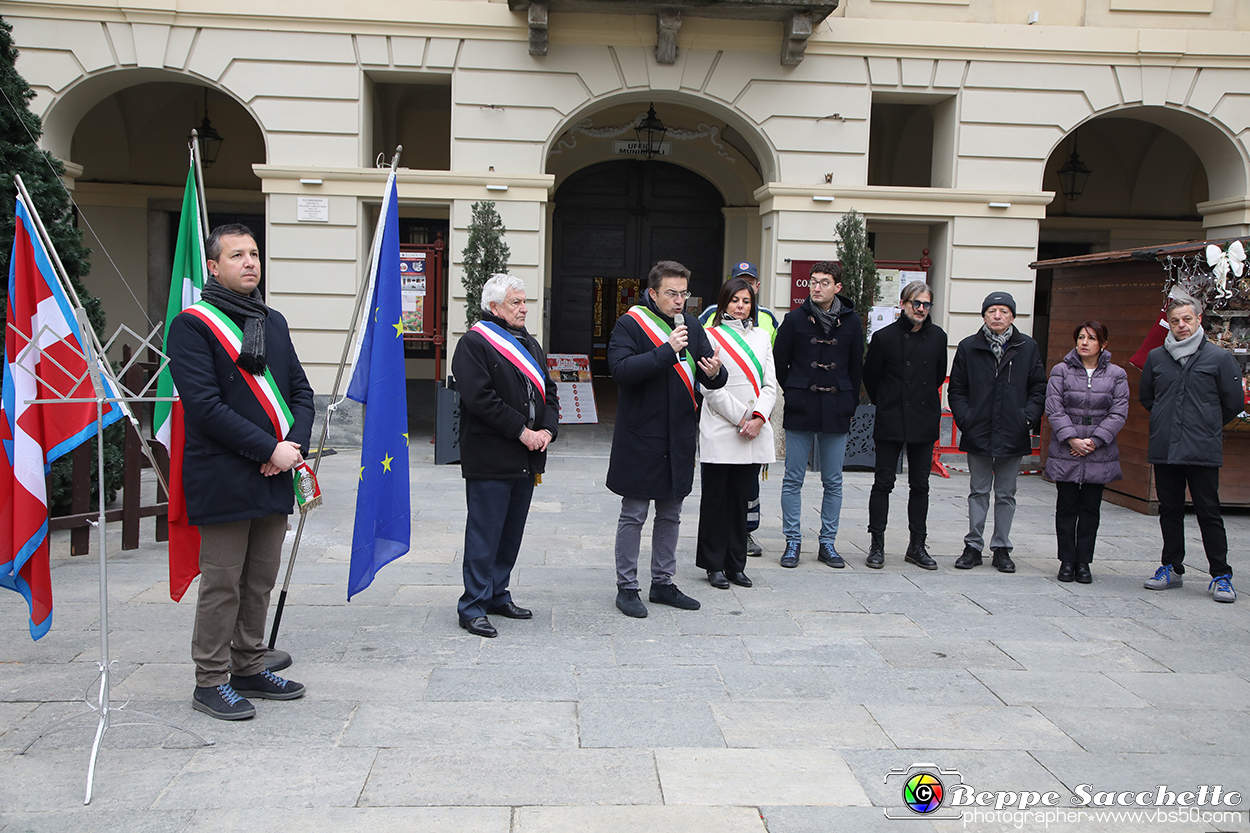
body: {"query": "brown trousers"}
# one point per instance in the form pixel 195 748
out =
pixel 238 566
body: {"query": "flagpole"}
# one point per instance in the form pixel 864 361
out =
pixel 63 277
pixel 199 181
pixel 338 379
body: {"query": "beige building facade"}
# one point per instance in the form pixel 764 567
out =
pixel 944 122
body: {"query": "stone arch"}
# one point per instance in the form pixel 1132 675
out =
pixel 734 154
pixel 1222 156
pixel 64 114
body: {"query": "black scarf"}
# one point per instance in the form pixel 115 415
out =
pixel 828 320
pixel 253 312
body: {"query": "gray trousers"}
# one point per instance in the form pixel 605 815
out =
pixel 663 541
pixel 238 566
pixel 1001 473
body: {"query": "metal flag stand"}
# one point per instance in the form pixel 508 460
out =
pixel 374 250
pixel 106 714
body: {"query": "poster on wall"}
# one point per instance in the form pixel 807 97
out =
pixel 910 277
pixel 881 317
pixel 889 289
pixel 412 291
pixel 571 373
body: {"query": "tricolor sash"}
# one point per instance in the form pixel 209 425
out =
pixel 737 349
pixel 231 340
pixel 656 330
pixel 512 350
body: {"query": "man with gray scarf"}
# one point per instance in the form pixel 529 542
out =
pixel 234 365
pixel 1191 388
pixel 997 392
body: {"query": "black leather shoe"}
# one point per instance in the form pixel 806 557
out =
pixel 828 555
pixel 969 559
pixel 918 555
pixel 1067 571
pixel 717 579
pixel 479 626
pixel 876 551
pixel 1082 574
pixel 510 611
pixel 740 579
pixel 1002 560
pixel 790 558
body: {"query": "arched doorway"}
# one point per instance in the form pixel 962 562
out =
pixel 1144 188
pixel 612 222
pixel 128 131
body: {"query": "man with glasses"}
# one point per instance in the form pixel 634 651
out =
pixel 766 320
pixel 656 358
pixel 819 356
pixel 903 373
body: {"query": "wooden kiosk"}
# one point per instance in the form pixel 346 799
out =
pixel 1126 291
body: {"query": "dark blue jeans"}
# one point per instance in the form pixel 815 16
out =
pixel 492 538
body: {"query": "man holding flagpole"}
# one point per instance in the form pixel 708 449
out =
pixel 248 412
pixel 508 415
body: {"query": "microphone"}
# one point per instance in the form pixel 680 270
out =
pixel 680 320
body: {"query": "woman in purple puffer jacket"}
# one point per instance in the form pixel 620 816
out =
pixel 1087 405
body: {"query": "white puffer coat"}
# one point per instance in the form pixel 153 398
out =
pixel 719 440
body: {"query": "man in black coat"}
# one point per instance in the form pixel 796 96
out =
pixel 997 393
pixel 508 415
pixel 237 468
pixel 819 354
pixel 903 373
pixel 656 359
pixel 1191 388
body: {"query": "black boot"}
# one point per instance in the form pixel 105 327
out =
pixel 1002 560
pixel 969 559
pixel 876 551
pixel 918 555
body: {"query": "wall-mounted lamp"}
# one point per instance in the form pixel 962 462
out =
pixel 650 132
pixel 1000 205
pixel 310 182
pixel 1034 17
pixel 496 187
pixel 819 198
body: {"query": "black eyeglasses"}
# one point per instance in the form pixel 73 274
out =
pixel 921 304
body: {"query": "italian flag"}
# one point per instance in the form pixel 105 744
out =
pixel 190 271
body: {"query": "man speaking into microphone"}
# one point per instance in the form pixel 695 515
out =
pixel 656 359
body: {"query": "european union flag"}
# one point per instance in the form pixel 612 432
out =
pixel 383 525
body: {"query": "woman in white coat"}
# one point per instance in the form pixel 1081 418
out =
pixel 735 436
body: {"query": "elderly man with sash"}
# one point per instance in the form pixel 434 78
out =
pixel 248 420
pixel 508 415
pixel 656 360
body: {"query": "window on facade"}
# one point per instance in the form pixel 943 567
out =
pixel 417 116
pixel 910 141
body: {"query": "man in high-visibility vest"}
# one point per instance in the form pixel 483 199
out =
pixel 766 321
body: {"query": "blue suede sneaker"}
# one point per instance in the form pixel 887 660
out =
pixel 1165 578
pixel 1221 589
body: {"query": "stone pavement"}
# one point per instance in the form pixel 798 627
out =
pixel 780 708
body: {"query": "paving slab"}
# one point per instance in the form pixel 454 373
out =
pixel 1150 730
pixel 1071 655
pixel 355 820
pixel 790 724
pixel 666 819
pixel 647 723
pixel 405 722
pixel 501 777
pixel 754 777
pixel 927 652
pixel 951 726
pixel 489 683
pixel 1090 688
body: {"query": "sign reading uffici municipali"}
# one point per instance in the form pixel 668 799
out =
pixel 639 149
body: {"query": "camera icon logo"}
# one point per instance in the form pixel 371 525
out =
pixel 922 788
